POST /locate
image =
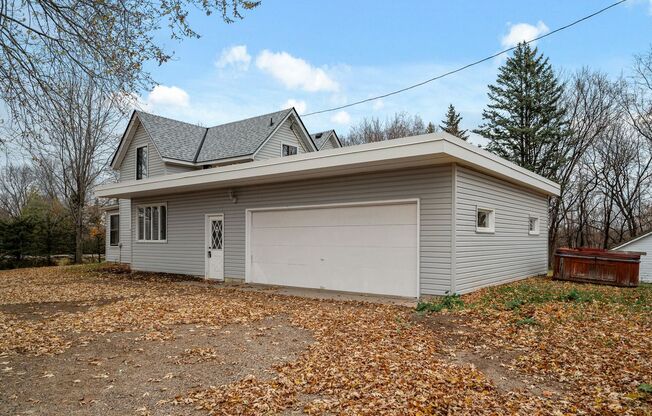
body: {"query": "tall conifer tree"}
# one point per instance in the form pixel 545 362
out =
pixel 524 120
pixel 451 124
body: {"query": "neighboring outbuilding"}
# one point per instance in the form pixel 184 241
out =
pixel 642 243
pixel 262 201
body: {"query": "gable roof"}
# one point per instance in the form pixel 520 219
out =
pixel 640 237
pixel 322 137
pixel 173 139
pixel 239 138
pixel 177 141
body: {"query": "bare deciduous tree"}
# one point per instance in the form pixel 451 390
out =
pixel 373 130
pixel 70 138
pixel 108 40
pixel 17 183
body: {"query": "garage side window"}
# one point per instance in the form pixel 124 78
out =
pixel 533 225
pixel 152 223
pixel 114 229
pixel 484 220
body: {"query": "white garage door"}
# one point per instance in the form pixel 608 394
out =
pixel 369 249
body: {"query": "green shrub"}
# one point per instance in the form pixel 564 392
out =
pixel 449 302
pixel 645 388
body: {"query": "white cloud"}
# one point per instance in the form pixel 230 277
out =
pixel 236 56
pixel 299 105
pixel 523 32
pixel 295 72
pixel 341 117
pixel 378 105
pixel 168 96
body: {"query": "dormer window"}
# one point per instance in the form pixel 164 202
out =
pixel 288 150
pixel 141 162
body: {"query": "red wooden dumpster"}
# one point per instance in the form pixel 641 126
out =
pixel 595 265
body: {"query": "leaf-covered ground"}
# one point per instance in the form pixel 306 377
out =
pixel 532 347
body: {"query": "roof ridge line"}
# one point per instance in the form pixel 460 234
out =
pixel 201 144
pixel 249 118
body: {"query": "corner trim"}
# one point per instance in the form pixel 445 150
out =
pixel 453 228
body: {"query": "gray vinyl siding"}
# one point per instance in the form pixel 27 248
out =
pixel 171 169
pixel 116 253
pixel 644 245
pixel 112 253
pixel 125 230
pixel 272 148
pixel 328 144
pixel 184 251
pixel 508 254
pixel 128 167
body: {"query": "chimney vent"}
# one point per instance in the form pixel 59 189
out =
pixel 271 121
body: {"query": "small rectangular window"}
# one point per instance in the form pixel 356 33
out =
pixel 114 229
pixel 152 223
pixel 484 220
pixel 533 225
pixel 288 150
pixel 141 162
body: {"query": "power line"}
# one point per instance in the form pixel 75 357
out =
pixel 462 68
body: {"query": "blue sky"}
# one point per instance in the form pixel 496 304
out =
pixel 320 54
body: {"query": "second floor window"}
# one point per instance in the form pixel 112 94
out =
pixel 141 162
pixel 288 150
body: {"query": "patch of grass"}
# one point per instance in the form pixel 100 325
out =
pixel 540 290
pixel 449 302
pixel 527 321
pixel 645 388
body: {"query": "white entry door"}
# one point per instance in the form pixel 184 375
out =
pixel 215 246
pixel 367 248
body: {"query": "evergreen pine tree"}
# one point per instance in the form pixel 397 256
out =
pixel 431 128
pixel 524 120
pixel 451 124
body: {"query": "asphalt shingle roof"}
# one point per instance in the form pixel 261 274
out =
pixel 191 143
pixel 173 139
pixel 321 137
pixel 239 138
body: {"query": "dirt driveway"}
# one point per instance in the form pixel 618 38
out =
pixel 88 340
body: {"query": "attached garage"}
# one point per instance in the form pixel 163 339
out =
pixel 424 215
pixel 369 248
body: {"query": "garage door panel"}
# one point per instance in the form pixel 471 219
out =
pixel 362 215
pixel 370 249
pixel 329 236
pixel 353 257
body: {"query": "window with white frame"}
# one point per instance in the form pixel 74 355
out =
pixel 288 150
pixel 114 229
pixel 141 162
pixel 484 220
pixel 152 223
pixel 533 225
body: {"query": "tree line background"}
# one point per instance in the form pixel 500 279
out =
pixel 68 76
pixel 589 133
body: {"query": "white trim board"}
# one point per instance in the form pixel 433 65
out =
pixel 423 150
pixel 415 201
pixel 640 237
